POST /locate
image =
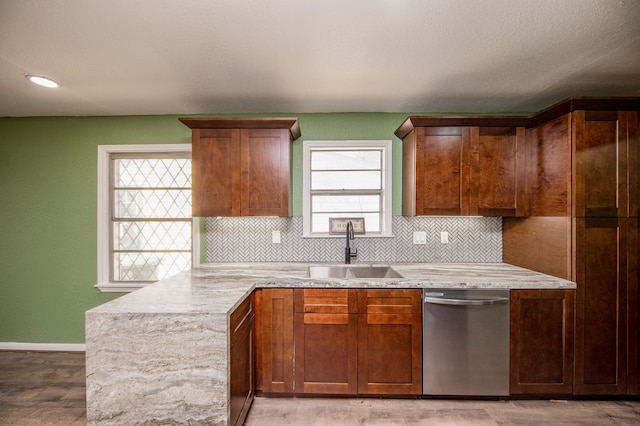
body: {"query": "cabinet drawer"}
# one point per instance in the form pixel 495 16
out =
pixel 396 301
pixel 325 301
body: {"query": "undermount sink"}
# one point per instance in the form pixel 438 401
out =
pixel 352 271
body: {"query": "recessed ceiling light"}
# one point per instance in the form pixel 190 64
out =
pixel 41 81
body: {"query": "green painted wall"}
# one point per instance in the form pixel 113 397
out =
pixel 48 181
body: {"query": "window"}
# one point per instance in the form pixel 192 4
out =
pixel 347 179
pixel 145 228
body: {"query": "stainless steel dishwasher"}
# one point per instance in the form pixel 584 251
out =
pixel 465 342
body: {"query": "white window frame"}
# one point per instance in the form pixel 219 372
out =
pixel 104 221
pixel 385 145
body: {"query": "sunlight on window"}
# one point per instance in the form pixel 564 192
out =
pixel 151 226
pixel 346 181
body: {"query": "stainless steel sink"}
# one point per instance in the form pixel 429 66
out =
pixel 327 271
pixel 352 271
pixel 374 272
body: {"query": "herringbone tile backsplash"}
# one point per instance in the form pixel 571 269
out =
pixel 248 239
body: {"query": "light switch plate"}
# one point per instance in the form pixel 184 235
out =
pixel 444 237
pixel 275 237
pixel 419 237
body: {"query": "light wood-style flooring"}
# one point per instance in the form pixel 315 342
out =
pixel 49 388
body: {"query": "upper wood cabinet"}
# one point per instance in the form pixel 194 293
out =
pixel 498 172
pixel 241 167
pixel 462 170
pixel 548 156
pixel 435 168
pixel 582 158
pixel 606 163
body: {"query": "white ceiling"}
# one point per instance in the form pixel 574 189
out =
pixel 122 57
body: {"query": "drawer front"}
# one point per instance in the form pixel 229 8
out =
pixel 325 301
pixel 396 301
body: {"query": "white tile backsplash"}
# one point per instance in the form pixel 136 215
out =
pixel 249 239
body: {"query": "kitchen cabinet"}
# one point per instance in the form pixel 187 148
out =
pixel 548 158
pixel 436 171
pixel 241 355
pixel 580 163
pixel 274 341
pixel 498 172
pixel 633 313
pixel 605 148
pixel 326 341
pixel 347 341
pixel 389 342
pixel 241 167
pixel 462 170
pixel 601 258
pixel 541 360
pixel 583 191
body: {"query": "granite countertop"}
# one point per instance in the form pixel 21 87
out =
pixel 218 288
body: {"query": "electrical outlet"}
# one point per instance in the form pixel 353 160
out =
pixel 444 237
pixel 419 237
pixel 275 237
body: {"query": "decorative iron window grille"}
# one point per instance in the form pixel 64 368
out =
pixel 151 224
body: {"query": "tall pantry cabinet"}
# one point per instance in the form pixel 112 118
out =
pixel 584 195
pixel 605 197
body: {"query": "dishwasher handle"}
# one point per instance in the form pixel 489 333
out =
pixel 466 302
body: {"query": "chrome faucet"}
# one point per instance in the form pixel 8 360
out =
pixel 348 253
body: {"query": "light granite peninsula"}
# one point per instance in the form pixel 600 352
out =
pixel 160 355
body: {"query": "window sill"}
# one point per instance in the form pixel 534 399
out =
pixel 120 287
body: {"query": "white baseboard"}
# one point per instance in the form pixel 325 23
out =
pixel 54 347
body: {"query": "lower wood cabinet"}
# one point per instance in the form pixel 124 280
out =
pixel 542 336
pixel 633 313
pixel 326 341
pixel 347 341
pixel 241 384
pixel 390 342
pixel 275 340
pixel 601 305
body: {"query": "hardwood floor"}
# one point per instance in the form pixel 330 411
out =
pixel 399 412
pixel 42 388
pixel 49 388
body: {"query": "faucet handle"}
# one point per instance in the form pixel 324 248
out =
pixel 354 252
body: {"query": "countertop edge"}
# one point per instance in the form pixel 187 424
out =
pixel 219 288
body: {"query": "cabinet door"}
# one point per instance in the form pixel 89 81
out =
pixel 326 341
pixel 276 340
pixel 441 171
pixel 601 304
pixel 542 341
pixel 390 342
pixel 265 171
pixel 216 172
pixel 498 175
pixel 548 151
pixel 633 166
pixel 241 380
pixel 601 143
pixel 633 281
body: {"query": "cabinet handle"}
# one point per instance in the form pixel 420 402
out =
pixel 466 302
